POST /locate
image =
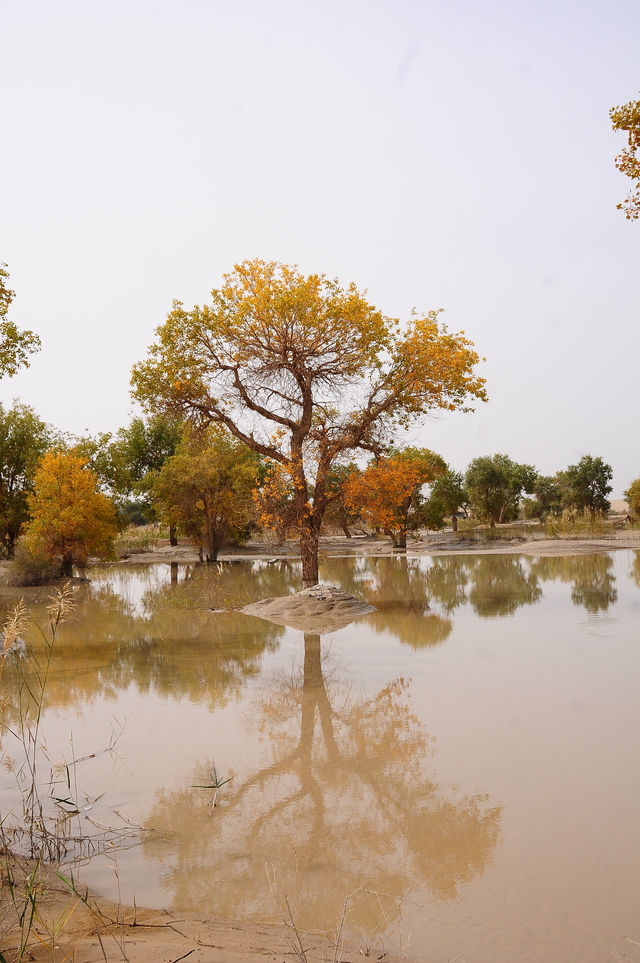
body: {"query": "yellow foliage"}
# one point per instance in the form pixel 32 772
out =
pixel 70 518
pixel 304 371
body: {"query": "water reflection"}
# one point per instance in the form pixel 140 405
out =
pixel 344 793
pixel 591 578
pixel 399 591
pixel 178 652
pixel 423 593
pixel 635 567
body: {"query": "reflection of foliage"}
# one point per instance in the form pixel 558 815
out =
pixel 176 652
pixel 592 578
pixel 398 590
pixel 447 581
pixel 636 567
pixel 345 789
pixel 500 584
pixel 495 585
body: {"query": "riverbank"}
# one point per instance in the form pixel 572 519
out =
pixel 96 931
pixel 446 543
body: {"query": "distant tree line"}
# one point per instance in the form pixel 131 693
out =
pixel 63 499
pixel 260 410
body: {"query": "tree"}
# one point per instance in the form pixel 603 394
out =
pixel 70 518
pixel 275 501
pixel 449 490
pixel 24 439
pixel 632 494
pixel 128 462
pixel 495 485
pixel 139 452
pixel 586 485
pixel 548 492
pixel 15 346
pixel 206 488
pixel 304 372
pixel 389 492
pixel 627 118
pixel 338 512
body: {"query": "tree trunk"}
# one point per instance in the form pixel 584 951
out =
pixel 309 554
pixel 66 568
pixel 454 522
pixel 345 529
pixel 401 541
pixel 173 536
pixel 174 573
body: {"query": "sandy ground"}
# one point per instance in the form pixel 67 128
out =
pixel 445 543
pixel 95 932
pixel 322 608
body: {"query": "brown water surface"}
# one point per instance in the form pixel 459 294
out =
pixel 462 763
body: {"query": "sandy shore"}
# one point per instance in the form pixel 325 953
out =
pixel 98 931
pixel 445 543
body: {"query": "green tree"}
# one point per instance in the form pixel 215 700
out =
pixel 138 453
pixel 586 485
pixel 627 119
pixel 632 495
pixel 450 492
pixel 24 439
pixel 548 492
pixel 70 517
pixel 206 488
pixel 128 462
pixel 15 345
pixel 495 485
pixel 304 372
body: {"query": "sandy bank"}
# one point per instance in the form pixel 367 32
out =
pixel 97 931
pixel 322 608
pixel 445 543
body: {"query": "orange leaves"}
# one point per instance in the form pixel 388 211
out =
pixel 387 493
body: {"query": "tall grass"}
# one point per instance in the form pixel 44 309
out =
pixel 140 538
pixel 44 825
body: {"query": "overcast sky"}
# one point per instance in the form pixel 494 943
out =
pixel 438 153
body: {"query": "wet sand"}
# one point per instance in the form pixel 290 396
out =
pixel 97 931
pixel 445 543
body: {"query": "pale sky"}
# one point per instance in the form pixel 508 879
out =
pixel 438 153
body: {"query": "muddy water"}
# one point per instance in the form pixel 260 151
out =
pixel 461 766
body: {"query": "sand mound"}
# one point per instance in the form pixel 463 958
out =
pixel 321 608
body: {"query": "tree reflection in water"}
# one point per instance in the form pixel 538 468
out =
pixel 422 594
pixel 591 578
pixel 635 567
pixel 345 794
pixel 176 651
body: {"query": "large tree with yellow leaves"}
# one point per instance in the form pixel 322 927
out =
pixel 306 372
pixel 70 518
